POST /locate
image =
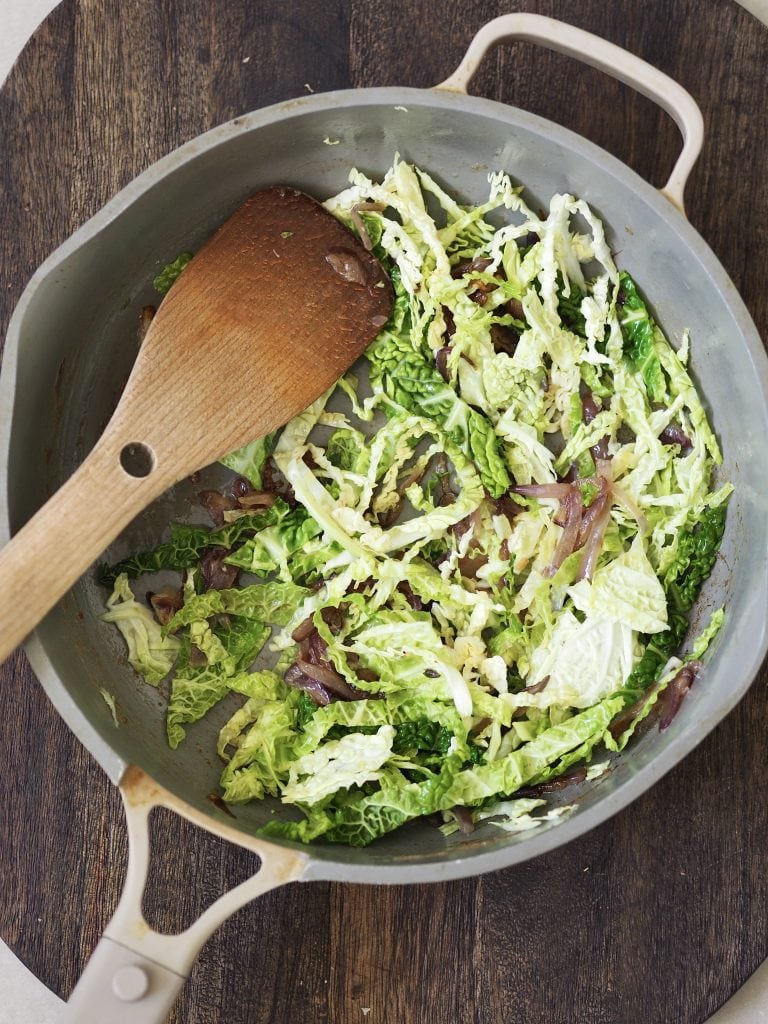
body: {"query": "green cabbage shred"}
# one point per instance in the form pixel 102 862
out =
pixel 472 659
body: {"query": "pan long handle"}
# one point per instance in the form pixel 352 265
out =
pixel 607 57
pixel 135 973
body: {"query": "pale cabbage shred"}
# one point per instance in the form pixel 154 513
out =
pixel 448 665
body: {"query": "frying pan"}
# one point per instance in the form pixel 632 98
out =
pixel 68 338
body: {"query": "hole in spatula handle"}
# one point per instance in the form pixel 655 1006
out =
pixel 137 459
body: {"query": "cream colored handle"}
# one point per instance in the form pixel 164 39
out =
pixel 607 57
pixel 74 527
pixel 136 973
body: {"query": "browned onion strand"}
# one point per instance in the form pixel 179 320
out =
pixel 673 434
pixel 478 727
pixel 333 618
pixel 323 674
pixel 570 778
pixel 466 524
pixel 331 680
pixel 197 658
pixel 515 309
pixel 593 543
pixel 668 704
pixel 676 691
pixel 479 263
pixel 470 563
pixel 556 491
pixel 589 407
pixel 312 663
pixel 474 558
pixel 441 362
pixel 591 514
pixel 464 820
pixel 600 450
pixel 580 526
pixel 507 506
pixel 566 545
pixel 362 231
pixel 537 687
pixel 347 265
pixel 215 574
pixel 450 323
pixel 359 223
pixel 625 718
pixel 297 680
pixel 413 476
pixel 241 485
pixel 274 482
pixel 367 675
pixel 216 504
pixel 303 630
pixel 413 599
pixel 386 519
pixel 442 470
pixel 504 339
pixel 165 603
pixel 560 517
pixel 257 499
pixel 483 287
pixel 447 496
pixel 478 289
pixel 590 410
pixel 317 647
pixel 605 468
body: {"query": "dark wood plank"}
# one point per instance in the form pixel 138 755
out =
pixel 655 917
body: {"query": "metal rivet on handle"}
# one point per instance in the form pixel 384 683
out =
pixel 130 983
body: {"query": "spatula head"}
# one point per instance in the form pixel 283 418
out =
pixel 271 311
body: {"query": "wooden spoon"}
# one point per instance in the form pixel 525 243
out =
pixel 272 310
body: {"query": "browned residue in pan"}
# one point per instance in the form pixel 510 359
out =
pixel 217 801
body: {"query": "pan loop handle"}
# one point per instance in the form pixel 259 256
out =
pixel 607 57
pixel 136 973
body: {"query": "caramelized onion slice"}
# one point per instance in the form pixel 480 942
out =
pixel 331 680
pixel 594 542
pixel 675 692
pixel 556 491
pixel 570 535
pixel 297 680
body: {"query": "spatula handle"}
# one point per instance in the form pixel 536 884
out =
pixel 70 531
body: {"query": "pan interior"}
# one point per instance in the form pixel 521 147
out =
pixel 76 336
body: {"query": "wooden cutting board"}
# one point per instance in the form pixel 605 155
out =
pixel 654 918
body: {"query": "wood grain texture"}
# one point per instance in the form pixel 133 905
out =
pixel 654 918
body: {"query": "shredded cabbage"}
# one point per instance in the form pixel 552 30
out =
pixel 485 546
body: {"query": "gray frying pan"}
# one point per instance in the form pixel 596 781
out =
pixel 67 338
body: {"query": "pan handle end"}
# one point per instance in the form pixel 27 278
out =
pixel 122 987
pixel 136 973
pixel 607 57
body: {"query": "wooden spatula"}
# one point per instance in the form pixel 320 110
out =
pixel 271 311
